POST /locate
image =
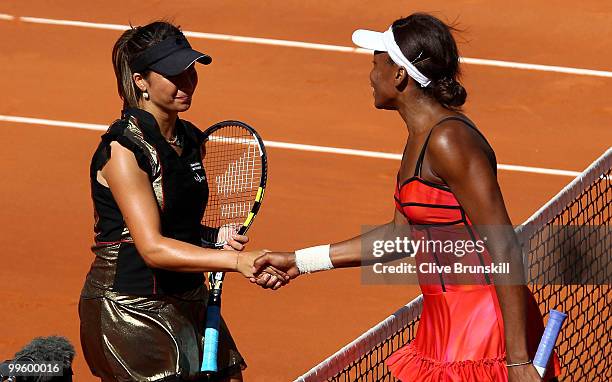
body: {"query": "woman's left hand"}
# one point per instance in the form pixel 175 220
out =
pixel 526 373
pixel 229 234
pixel 236 242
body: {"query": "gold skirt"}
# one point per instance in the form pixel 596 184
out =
pixel 150 338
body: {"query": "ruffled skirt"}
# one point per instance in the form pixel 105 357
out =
pixel 460 339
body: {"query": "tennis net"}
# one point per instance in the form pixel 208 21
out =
pixel 568 248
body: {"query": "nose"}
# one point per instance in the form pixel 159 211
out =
pixel 191 78
pixel 187 81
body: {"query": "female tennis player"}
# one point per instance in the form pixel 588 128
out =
pixel 472 330
pixel 142 307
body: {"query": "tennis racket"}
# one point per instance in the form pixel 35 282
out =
pixel 235 164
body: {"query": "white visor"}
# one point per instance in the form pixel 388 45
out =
pixel 367 39
pixel 385 42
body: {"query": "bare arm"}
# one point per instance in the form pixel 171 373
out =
pixel 132 191
pixel 459 156
pixel 343 254
pixel 348 253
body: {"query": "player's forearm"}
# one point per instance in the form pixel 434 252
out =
pixel 178 256
pixel 504 248
pixel 352 253
pixel 346 254
pixel 349 253
pixel 512 303
pixel 512 300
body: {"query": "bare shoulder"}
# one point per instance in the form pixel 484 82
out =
pixel 456 148
pixel 457 139
pixel 454 134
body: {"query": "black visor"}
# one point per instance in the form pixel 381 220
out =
pixel 169 57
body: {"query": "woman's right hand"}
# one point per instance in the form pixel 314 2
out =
pixel 280 261
pixel 268 278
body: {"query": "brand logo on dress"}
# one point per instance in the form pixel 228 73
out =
pixel 198 172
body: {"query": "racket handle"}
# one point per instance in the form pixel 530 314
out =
pixel 547 343
pixel 211 339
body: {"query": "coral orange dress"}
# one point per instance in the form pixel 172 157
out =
pixel 460 337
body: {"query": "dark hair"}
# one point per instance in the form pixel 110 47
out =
pixel 428 43
pixel 133 42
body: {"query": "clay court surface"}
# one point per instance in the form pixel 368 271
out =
pixel 532 118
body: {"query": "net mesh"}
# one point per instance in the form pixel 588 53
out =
pixel 568 251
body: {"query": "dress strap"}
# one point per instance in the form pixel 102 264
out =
pixel 467 122
pixel 419 164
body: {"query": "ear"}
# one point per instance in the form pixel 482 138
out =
pixel 140 81
pixel 401 78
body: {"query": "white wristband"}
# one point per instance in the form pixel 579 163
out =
pixel 313 259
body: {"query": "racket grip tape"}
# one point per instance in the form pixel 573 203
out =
pixel 547 343
pixel 211 339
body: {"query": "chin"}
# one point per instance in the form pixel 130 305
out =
pixel 381 103
pixel 183 107
pixel 377 103
pixel 383 106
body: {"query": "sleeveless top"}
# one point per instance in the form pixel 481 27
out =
pixel 435 214
pixel 179 185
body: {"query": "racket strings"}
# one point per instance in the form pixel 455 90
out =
pixel 233 168
pixel 239 176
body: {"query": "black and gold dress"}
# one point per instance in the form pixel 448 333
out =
pixel 139 323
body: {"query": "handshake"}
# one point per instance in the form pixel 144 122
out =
pixel 270 270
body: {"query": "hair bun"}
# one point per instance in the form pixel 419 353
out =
pixel 449 92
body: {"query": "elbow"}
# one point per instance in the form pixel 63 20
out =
pixel 152 253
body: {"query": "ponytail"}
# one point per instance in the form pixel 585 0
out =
pixel 133 42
